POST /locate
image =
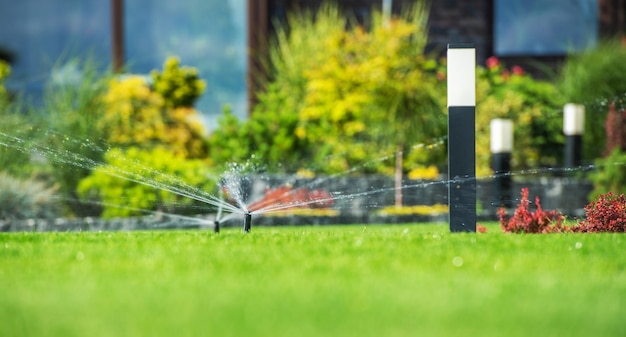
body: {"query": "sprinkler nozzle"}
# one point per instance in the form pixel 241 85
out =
pixel 247 222
pixel 216 226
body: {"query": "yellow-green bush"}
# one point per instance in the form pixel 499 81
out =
pixel 179 86
pixel 137 115
pixel 344 98
pixel 135 179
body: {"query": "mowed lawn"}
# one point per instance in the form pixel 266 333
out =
pixel 362 280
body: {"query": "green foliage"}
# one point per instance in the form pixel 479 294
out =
pixel 138 116
pixel 5 71
pixel 266 138
pixel 179 86
pixel 596 79
pixel 70 113
pixel 26 199
pixel 340 98
pixel 609 175
pixel 136 179
pixel 374 92
pixel 268 135
pixel 15 123
pixel 534 107
pixel 156 137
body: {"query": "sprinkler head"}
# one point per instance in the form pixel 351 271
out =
pixel 216 226
pixel 247 222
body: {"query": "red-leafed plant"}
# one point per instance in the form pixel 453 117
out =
pixel 606 214
pixel 526 221
pixel 287 197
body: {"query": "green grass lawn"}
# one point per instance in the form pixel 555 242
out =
pixel 374 280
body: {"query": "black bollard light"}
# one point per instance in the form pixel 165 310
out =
pixel 216 226
pixel 247 222
pixel 501 149
pixel 461 137
pixel 573 128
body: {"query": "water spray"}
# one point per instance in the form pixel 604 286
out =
pixel 247 222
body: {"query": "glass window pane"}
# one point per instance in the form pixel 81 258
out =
pixel 39 34
pixel 544 27
pixel 208 35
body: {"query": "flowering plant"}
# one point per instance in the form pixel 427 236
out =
pixel 534 106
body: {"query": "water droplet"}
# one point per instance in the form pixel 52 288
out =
pixel 457 261
pixel 578 245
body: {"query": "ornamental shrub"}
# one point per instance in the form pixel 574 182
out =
pixel 375 94
pixel 14 122
pixel 534 106
pixel 525 220
pixel 179 86
pixel 340 98
pixel 606 214
pixel 70 112
pixel 595 78
pixel 138 116
pixel 136 180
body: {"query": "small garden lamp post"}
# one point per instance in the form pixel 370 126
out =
pixel 461 137
pixel 573 128
pixel 501 149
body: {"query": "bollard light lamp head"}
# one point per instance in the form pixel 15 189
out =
pixel 573 119
pixel 461 74
pixel 501 135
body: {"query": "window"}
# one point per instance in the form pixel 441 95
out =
pixel 39 34
pixel 206 34
pixel 544 27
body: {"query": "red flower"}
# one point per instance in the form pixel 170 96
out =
pixel 492 62
pixel 517 70
pixel 481 229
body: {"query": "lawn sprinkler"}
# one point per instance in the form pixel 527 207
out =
pixel 247 222
pixel 216 226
